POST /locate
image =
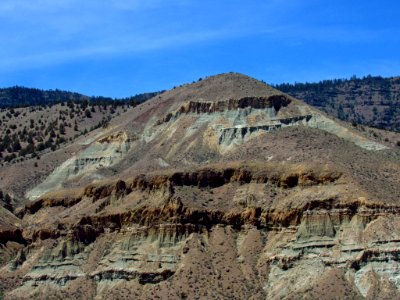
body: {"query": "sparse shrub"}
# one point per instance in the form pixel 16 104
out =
pixel 10 157
pixel 62 128
pixel 88 114
pixel 40 147
pixel 16 146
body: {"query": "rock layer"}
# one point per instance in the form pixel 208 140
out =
pixel 149 245
pixel 224 189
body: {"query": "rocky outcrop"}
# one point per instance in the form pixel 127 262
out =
pixel 280 177
pixel 105 152
pixel 33 207
pixel 234 120
pixel 143 278
pixel 275 102
pixel 147 245
pixel 188 212
pixel 14 235
pixel 240 133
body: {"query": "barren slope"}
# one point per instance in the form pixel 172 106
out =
pixel 224 189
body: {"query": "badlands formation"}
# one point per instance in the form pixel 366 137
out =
pixel 221 189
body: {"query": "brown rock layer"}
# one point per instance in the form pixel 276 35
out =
pixel 202 107
pixel 202 178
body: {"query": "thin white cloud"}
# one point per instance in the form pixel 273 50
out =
pixel 118 45
pixel 43 6
pixel 49 32
pixel 338 34
pixel 22 6
pixel 52 32
pixel 142 5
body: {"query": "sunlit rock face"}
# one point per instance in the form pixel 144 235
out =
pixel 103 153
pixel 222 189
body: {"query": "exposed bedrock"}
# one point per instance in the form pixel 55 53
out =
pixel 14 235
pixel 148 245
pixel 251 115
pixel 276 101
pixel 143 278
pixel 282 177
pixel 103 153
pixel 240 133
pixel 286 177
pixel 201 107
pixel 147 255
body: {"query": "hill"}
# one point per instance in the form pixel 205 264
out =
pixel 17 96
pixel 27 132
pixel 370 101
pixel 222 189
pixel 33 120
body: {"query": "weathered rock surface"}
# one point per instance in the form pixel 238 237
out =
pixel 224 189
pixel 149 246
pixel 103 153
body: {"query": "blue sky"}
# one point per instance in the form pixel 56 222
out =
pixel 122 47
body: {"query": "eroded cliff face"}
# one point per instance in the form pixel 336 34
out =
pixel 171 247
pixel 103 153
pixel 202 198
pixel 233 122
pixel 159 258
pixel 191 134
